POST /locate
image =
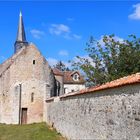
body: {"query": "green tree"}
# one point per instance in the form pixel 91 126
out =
pixel 109 59
pixel 61 66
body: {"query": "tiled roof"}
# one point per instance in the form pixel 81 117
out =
pixel 68 79
pixel 57 72
pixel 128 80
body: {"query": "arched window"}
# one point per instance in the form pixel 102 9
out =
pixel 32 97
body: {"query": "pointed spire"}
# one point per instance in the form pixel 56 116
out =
pixel 21 37
pixel 21 32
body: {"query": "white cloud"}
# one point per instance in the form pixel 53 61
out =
pixel 136 14
pixel 64 31
pixel 116 38
pixel 76 60
pixel 67 36
pixel 37 33
pixel 67 64
pixel 101 41
pixel 63 53
pixel 77 36
pixel 52 61
pixel 59 29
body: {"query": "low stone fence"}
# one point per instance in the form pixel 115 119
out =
pixel 112 113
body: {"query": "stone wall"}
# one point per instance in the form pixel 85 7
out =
pixel 107 114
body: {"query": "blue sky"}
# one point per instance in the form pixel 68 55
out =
pixel 60 30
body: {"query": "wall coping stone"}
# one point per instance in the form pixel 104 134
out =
pixel 127 80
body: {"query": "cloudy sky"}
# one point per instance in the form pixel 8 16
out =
pixel 60 30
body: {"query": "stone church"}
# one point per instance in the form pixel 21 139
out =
pixel 26 80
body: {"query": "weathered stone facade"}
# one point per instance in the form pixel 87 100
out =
pixel 107 114
pixel 26 80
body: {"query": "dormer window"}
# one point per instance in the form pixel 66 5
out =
pixel 76 77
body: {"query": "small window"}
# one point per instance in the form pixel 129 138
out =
pixel 76 77
pixel 32 97
pixel 33 62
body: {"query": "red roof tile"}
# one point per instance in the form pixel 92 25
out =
pixel 57 72
pixel 132 79
pixel 128 80
pixel 68 79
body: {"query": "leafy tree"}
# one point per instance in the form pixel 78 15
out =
pixel 109 59
pixel 61 66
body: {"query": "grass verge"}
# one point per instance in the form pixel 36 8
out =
pixel 38 131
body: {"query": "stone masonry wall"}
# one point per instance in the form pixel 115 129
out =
pixel 33 78
pixel 107 114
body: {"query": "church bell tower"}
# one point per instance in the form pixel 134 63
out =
pixel 21 37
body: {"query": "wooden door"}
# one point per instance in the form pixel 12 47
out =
pixel 24 116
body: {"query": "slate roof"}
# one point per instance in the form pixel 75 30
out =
pixel 21 31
